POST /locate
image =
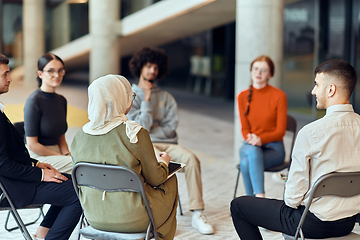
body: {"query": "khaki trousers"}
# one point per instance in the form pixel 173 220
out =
pixel 192 169
pixel 60 162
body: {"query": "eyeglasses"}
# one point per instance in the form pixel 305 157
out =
pixel 261 70
pixel 52 72
pixel 133 96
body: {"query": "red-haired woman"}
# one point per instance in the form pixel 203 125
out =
pixel 263 110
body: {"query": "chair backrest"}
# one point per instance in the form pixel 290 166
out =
pixel 291 127
pixel 107 177
pixel 19 126
pixel 341 184
pixel 4 195
pixel 110 178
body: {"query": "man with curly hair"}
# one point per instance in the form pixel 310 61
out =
pixel 156 111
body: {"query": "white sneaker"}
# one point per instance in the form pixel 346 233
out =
pixel 280 177
pixel 199 222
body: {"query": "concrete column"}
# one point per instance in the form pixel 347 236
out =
pixel 60 21
pixel 259 30
pixel 34 39
pixel 105 50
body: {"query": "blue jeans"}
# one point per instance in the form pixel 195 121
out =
pixel 254 160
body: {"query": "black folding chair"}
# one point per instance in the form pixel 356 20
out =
pixel 13 210
pixel 341 184
pixel 111 178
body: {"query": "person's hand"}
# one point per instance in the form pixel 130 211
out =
pixel 146 86
pixel 45 166
pixel 253 139
pixel 53 175
pixel 164 157
pixel 147 94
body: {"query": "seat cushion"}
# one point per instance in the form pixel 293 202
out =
pixel 90 232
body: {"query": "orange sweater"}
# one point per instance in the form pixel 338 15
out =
pixel 267 114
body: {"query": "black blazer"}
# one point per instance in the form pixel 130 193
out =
pixel 17 173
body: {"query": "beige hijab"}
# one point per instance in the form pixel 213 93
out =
pixel 109 98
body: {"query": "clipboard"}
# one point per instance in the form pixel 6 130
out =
pixel 174 167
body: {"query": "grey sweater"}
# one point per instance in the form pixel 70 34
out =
pixel 159 116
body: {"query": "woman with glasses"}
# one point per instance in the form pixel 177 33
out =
pixel 110 138
pixel 45 124
pixel 263 114
pixel 45 116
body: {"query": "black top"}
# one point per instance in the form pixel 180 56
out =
pixel 45 117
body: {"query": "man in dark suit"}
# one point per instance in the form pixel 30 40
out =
pixel 29 181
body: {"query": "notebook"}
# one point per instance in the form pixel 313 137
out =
pixel 175 167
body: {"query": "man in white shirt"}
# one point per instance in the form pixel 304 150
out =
pixel 329 144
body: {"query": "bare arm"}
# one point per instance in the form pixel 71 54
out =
pixel 38 148
pixel 64 149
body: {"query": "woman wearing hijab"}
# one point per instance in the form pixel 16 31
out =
pixel 109 138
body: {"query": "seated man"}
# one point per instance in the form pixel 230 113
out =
pixel 29 181
pixel 156 111
pixel 330 144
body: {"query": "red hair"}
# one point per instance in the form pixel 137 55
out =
pixel 264 58
pixel 270 63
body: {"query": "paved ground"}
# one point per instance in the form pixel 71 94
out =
pixel 206 127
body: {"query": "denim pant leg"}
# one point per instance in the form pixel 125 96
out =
pixel 273 154
pixel 252 169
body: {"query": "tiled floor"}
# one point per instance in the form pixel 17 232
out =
pixel 208 131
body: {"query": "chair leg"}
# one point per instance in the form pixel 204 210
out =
pixel 80 226
pixel 41 213
pixel 180 208
pixel 21 224
pixel 237 182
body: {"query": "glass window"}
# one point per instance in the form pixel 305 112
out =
pixel 11 20
pixel 298 64
pixel 357 53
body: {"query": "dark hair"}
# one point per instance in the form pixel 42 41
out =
pixel 270 63
pixel 4 59
pixel 341 70
pixel 148 55
pixel 43 61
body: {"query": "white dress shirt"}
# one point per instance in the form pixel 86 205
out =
pixel 329 144
pixel 2 107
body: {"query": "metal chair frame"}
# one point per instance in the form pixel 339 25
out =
pixel 340 184
pixel 13 210
pixel 19 126
pixel 111 178
pixel 291 127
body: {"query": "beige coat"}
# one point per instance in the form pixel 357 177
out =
pixel 125 211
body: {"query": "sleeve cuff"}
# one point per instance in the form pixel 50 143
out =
pixel 163 162
pixel 42 174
